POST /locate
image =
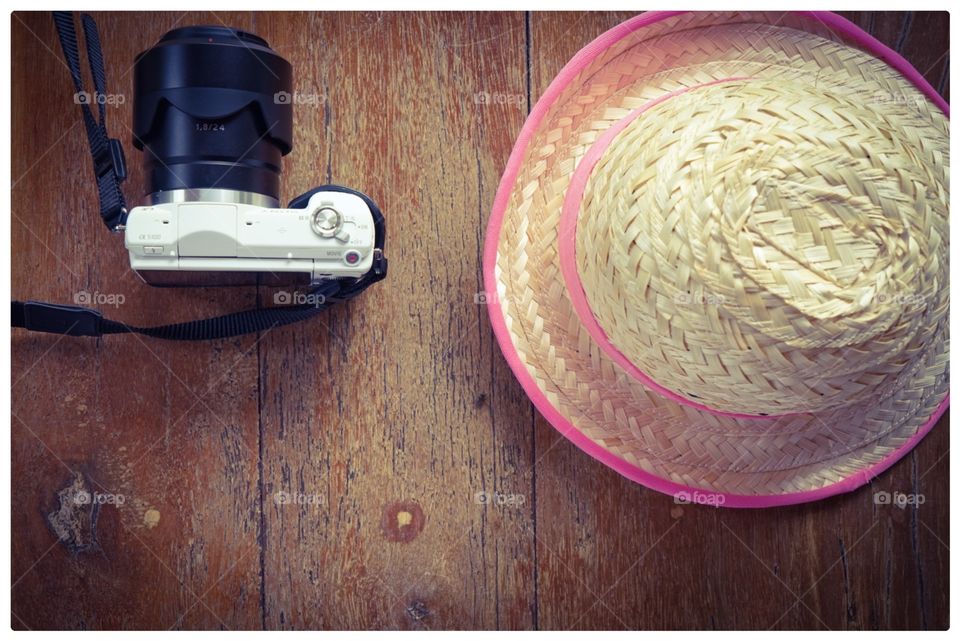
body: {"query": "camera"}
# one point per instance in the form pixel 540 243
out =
pixel 213 118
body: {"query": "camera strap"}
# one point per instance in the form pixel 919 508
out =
pixel 109 163
pixel 84 321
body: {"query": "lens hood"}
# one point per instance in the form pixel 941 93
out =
pixel 212 108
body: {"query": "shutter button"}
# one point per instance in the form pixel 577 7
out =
pixel 326 221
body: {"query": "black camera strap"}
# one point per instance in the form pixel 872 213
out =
pixel 109 164
pixel 110 170
pixel 84 321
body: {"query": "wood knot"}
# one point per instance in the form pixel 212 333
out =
pixel 402 521
pixel 74 520
pixel 418 611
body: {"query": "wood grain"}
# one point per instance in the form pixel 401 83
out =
pixel 400 403
pixel 380 467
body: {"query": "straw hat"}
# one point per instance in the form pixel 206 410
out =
pixel 718 257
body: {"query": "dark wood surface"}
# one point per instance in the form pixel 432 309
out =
pixel 326 475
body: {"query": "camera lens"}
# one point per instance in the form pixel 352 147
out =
pixel 212 111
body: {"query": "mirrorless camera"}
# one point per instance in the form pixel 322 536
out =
pixel 213 117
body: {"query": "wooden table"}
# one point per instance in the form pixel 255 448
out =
pixel 326 475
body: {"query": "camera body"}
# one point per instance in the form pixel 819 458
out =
pixel 332 237
pixel 213 117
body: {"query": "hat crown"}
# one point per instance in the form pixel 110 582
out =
pixel 766 246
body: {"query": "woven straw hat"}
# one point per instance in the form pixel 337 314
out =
pixel 718 257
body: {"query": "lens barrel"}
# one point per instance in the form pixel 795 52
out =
pixel 212 110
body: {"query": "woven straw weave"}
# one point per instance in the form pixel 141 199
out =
pixel 771 245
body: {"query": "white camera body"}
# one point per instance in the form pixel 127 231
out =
pixel 332 237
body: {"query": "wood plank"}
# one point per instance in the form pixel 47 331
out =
pixel 927 46
pixel 400 403
pixel 172 427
